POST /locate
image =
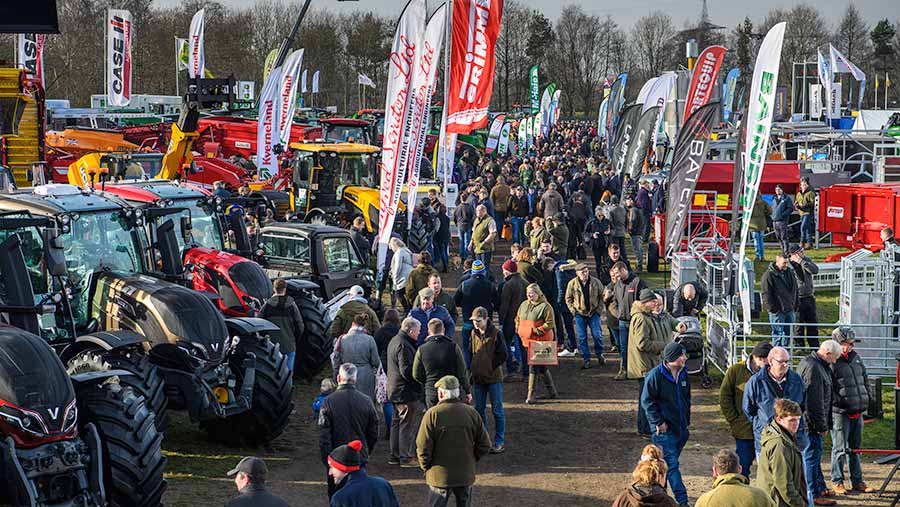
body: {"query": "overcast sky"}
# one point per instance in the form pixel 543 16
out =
pixel 625 12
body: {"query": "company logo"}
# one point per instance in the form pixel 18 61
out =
pixel 120 51
pixel 476 50
pixel 54 412
pixel 834 212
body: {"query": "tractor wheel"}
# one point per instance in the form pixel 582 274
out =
pixel 272 403
pixel 132 448
pixel 652 257
pixel 418 237
pixel 314 347
pixel 145 380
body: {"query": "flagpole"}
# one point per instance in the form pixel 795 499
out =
pixel 876 90
pixel 442 141
pixel 177 56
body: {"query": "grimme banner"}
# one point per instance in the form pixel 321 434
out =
pixel 494 134
pixel 687 161
pixel 704 79
pixel 756 144
pixel 287 95
pixel 535 89
pixel 624 135
pixel 476 26
pixel 398 119
pixel 640 141
pixel 119 31
pixel 30 54
pixel 421 88
pixel 196 55
pixel 267 133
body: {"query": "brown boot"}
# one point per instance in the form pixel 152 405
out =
pixel 529 400
pixel 839 489
pixel 863 488
pixel 551 387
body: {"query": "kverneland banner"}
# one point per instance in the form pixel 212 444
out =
pixel 422 87
pixel 287 95
pixel 30 54
pixel 398 119
pixel 267 134
pixel 756 143
pixel 476 25
pixel 196 55
pixel 119 32
pixel 494 133
pixel 704 79
pixel 687 162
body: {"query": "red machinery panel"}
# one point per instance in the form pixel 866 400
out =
pixel 856 213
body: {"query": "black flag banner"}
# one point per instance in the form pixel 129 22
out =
pixel 641 136
pixel 690 152
pixel 624 135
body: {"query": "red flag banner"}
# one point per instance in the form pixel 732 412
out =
pixel 704 79
pixel 476 26
pixel 118 52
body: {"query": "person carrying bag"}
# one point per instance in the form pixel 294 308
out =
pixel 535 326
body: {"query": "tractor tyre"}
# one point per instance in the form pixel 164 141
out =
pixel 315 346
pixel 653 257
pixel 145 379
pixel 132 448
pixel 418 237
pixel 272 402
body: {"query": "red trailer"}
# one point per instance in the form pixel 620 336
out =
pixel 855 213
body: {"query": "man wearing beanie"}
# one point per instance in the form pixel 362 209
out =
pixel 649 330
pixel 731 396
pixel 476 291
pixel 666 399
pixel 451 440
pixel 250 479
pixel 510 295
pixel 357 488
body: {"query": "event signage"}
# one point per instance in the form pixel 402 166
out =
pixel 630 115
pixel 119 32
pixel 616 102
pixel 730 85
pixel 196 55
pixel 535 89
pixel 31 54
pixel 494 134
pixel 658 96
pixel 756 144
pixel 601 119
pixel 504 140
pixel 475 28
pixel 637 148
pixel 267 133
pixel 823 69
pixel 703 79
pixel 841 65
pixel 287 95
pixel 687 162
pixel 815 101
pixel 398 119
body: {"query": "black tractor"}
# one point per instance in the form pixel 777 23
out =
pixel 81 439
pixel 116 311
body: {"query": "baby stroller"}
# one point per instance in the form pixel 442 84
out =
pixel 692 339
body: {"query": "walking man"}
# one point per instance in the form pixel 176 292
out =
pixel 806 207
pixel 626 291
pixel 815 370
pixel 666 399
pixel 464 216
pixel 805 268
pixel 250 480
pixel 849 400
pixel 780 462
pixel 779 297
pixel 451 440
pixel 488 354
pixel 484 232
pixel 282 311
pixel 427 310
pixel 775 380
pixel 357 488
pixel 731 487
pixel 510 295
pixel 731 397
pixel 583 299
pixel 782 207
pixel 438 357
pixel 405 393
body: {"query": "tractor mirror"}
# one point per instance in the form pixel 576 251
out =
pixel 54 254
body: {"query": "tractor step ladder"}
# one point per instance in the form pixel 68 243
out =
pixel 22 150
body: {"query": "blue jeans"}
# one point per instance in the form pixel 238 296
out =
pixel 846 435
pixel 522 352
pixel 485 257
pixel 509 336
pixel 812 465
pixel 760 244
pixel 495 392
pixel 464 238
pixel 807 227
pixel 467 328
pixel 672 446
pixel 637 244
pixel 581 325
pixel 518 229
pixel 780 333
pixel 442 254
pixel 643 425
pixel 290 356
pixel 388 409
pixel 623 343
pixel 746 451
pixel 614 334
pixel 568 321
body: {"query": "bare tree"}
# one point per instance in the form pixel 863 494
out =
pixel 807 30
pixel 512 61
pixel 575 59
pixel 651 39
pixel 851 36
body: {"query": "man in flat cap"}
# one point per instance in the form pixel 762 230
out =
pixel 250 479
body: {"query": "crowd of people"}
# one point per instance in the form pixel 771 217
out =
pixel 433 360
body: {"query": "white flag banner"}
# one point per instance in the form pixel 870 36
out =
pixel 494 133
pixel 287 95
pixel 315 82
pixel 504 140
pixel 422 87
pixel 267 134
pixel 645 90
pixel 601 118
pixel 365 80
pixel 823 68
pixel 196 56
pixel 536 126
pixel 815 101
pixel 303 82
pixel 395 152
pixel 554 108
pixel 841 65
pixel 30 54
pixel 834 99
pixel 756 144
pixel 658 96
pixel 543 127
pixel 119 32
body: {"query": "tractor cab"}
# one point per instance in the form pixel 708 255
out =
pixel 99 168
pixel 346 130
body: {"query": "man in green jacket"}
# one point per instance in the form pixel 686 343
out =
pixel 730 486
pixel 731 396
pixel 584 299
pixel 451 440
pixel 780 471
pixel 484 233
pixel 488 350
pixel 282 311
pixel 354 306
pixel 805 203
pixel 649 331
pixel 559 234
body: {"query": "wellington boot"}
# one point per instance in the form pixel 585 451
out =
pixel 532 379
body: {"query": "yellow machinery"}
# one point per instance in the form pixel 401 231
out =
pixel 23 130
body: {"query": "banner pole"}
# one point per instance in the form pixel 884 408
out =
pixel 442 141
pixel 177 56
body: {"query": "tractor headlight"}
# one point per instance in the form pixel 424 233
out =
pixel 139 213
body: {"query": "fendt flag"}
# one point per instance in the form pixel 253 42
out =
pixel 30 54
pixel 476 26
pixel 756 144
pixel 119 31
pixel 704 79
pixel 196 55
pixel 398 119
